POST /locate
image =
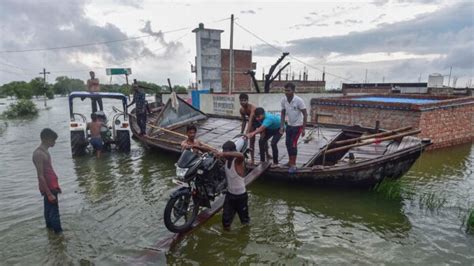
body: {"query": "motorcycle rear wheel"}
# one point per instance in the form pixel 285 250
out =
pixel 180 208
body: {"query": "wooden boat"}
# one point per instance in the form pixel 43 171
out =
pixel 327 155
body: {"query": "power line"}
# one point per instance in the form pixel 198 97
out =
pixel 290 55
pixel 103 42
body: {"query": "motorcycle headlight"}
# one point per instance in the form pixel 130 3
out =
pixel 181 172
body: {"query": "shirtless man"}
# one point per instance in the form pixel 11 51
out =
pixel 48 180
pixel 192 143
pixel 93 86
pixel 96 138
pixel 247 112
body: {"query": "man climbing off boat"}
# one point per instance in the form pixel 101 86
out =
pixel 236 198
pixel 271 128
pixel 140 107
pixel 192 143
pixel 96 138
pixel 293 107
pixel 247 113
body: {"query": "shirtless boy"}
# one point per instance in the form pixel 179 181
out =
pixel 48 180
pixel 96 138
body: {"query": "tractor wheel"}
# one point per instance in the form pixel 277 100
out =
pixel 123 140
pixel 78 143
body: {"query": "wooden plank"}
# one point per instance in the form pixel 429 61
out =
pixel 172 239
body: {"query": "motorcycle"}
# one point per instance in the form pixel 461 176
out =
pixel 202 180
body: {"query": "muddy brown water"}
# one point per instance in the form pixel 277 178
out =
pixel 112 208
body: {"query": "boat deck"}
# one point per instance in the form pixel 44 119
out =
pixel 216 131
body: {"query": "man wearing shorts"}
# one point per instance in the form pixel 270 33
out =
pixel 293 107
pixel 96 138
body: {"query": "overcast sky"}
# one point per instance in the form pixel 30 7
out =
pixel 394 40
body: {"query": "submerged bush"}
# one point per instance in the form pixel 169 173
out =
pixel 470 222
pixel 22 108
pixel 389 188
pixel 432 201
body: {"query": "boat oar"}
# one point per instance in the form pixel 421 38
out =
pixel 383 134
pixel 413 132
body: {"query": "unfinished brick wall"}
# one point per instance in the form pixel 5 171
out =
pixel 448 126
pixel 448 122
pixel 242 63
pixel 367 117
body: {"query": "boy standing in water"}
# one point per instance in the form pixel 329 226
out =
pixel 236 198
pixel 48 180
pixel 96 138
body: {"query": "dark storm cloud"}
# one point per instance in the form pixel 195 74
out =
pixel 39 24
pixel 170 48
pixel 449 31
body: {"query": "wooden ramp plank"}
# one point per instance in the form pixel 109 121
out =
pixel 172 239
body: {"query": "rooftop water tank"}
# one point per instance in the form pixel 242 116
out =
pixel 435 80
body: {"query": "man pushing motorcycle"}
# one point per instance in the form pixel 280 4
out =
pixel 236 198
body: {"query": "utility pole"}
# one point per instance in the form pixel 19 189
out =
pixel 44 73
pixel 231 55
pixel 366 70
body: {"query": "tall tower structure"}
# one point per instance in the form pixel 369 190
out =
pixel 208 58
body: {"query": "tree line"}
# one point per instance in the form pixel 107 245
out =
pixel 63 85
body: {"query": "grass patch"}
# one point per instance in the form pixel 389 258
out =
pixel 22 108
pixel 432 201
pixel 389 188
pixel 470 222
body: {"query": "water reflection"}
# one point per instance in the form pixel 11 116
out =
pixel 350 207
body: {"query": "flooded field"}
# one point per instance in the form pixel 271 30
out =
pixel 112 208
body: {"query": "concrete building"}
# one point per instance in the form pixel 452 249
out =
pixel 208 59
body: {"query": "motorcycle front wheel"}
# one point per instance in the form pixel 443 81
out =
pixel 180 211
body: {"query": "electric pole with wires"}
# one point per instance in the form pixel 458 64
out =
pixel 44 73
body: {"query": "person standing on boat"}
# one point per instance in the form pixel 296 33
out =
pixel 247 113
pixel 236 197
pixel 93 87
pixel 271 129
pixel 48 180
pixel 293 107
pixel 140 107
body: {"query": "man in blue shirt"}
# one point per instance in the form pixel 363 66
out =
pixel 271 129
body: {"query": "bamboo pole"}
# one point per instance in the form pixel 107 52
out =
pixel 382 134
pixel 413 132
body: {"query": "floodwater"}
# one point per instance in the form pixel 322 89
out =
pixel 111 211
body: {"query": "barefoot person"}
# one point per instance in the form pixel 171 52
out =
pixel 271 128
pixel 93 86
pixel 96 138
pixel 247 113
pixel 48 180
pixel 140 107
pixel 293 107
pixel 236 198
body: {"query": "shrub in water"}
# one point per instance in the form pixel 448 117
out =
pixel 22 108
pixel 470 222
pixel 391 189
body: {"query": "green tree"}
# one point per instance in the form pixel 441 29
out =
pixel 180 89
pixel 64 85
pixel 19 89
pixel 37 87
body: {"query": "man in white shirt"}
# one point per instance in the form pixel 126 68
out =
pixel 293 107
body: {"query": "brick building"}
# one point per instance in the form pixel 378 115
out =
pixel 446 121
pixel 242 63
pixel 385 88
pixel 301 85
